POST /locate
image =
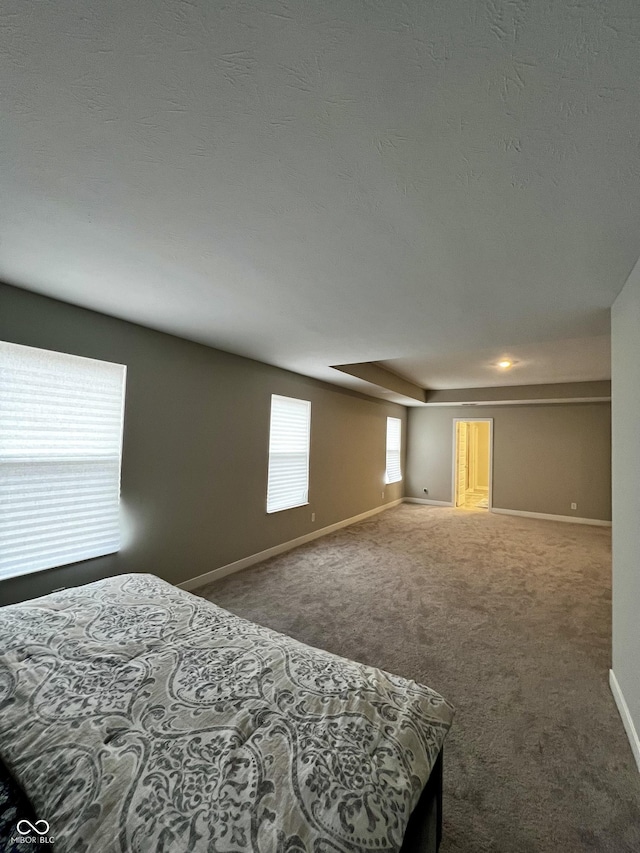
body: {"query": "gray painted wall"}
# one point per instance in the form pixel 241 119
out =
pixel 625 325
pixel 544 457
pixel 194 472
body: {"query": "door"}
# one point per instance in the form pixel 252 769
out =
pixel 472 465
pixel 472 457
pixel 462 438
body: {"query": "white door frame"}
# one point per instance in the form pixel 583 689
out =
pixel 454 458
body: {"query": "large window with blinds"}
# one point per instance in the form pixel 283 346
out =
pixel 61 420
pixel 393 464
pixel 289 432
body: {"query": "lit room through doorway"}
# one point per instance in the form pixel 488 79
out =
pixel 472 464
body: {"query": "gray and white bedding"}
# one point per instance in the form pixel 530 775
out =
pixel 137 717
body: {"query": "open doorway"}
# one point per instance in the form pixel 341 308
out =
pixel 472 463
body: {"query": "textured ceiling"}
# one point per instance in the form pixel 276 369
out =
pixel 572 360
pixel 311 184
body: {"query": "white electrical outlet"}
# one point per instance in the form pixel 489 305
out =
pixel 383 494
pixel 574 506
pixel 313 516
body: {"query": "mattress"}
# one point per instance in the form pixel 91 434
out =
pixel 138 717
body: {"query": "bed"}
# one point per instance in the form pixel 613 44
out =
pixel 138 718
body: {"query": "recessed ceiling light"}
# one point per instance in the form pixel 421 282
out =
pixel 506 364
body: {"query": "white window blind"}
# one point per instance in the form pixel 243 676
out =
pixel 288 481
pixel 394 432
pixel 60 448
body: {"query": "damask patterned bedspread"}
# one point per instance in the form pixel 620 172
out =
pixel 141 718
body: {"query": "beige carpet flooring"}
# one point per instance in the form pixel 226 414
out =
pixel 510 619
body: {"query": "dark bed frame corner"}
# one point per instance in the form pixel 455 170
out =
pixel 424 830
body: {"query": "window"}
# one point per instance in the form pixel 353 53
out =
pixel 60 449
pixel 394 432
pixel 288 482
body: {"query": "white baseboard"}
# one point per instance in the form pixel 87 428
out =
pixel 627 722
pixel 546 516
pixel 252 559
pixel 427 502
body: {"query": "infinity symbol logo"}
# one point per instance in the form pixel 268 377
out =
pixel 24 827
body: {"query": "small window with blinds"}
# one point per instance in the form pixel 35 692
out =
pixel 289 431
pixel 60 448
pixel 393 468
